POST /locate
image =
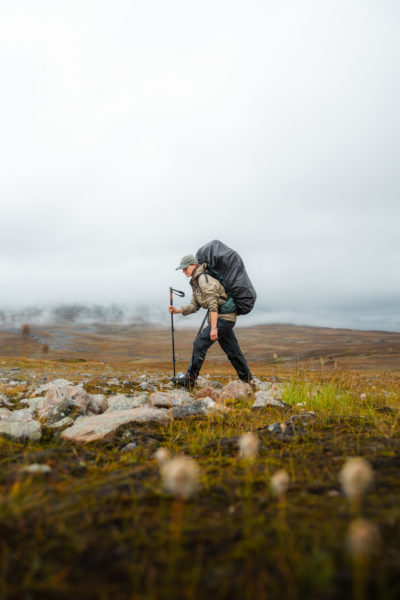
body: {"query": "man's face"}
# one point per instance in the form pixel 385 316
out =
pixel 189 270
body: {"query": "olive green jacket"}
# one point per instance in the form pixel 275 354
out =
pixel 208 293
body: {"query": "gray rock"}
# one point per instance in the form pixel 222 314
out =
pixel 23 414
pixel 123 402
pixel 236 390
pixel 267 399
pixel 98 403
pixel 182 412
pixel 99 427
pixel 284 430
pixel 56 384
pixel 209 392
pixel 205 382
pixel 304 416
pixel 277 427
pixel 148 387
pixel 60 401
pixel 54 406
pixel 32 403
pixel 167 386
pixel 263 386
pixel 4 414
pixel 210 406
pixel 171 398
pixel 62 424
pixel 5 401
pixel 204 406
pixel 21 430
pixel 153 380
pixel 113 381
pixel 79 397
pixel 129 447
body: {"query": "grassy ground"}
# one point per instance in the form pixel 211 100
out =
pixel 100 525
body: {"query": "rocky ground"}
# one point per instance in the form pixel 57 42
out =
pixel 73 412
pixel 114 484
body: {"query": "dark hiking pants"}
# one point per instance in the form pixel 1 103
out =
pixel 229 344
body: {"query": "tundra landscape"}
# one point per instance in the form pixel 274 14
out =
pixel 115 485
pixel 158 157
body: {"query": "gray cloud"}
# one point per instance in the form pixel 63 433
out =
pixel 134 133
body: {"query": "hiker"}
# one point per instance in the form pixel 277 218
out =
pixel 209 293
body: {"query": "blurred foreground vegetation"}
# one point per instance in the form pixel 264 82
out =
pixel 100 526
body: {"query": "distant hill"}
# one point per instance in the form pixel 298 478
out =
pixel 280 345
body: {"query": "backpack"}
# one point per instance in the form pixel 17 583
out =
pixel 225 264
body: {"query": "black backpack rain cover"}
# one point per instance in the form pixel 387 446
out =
pixel 228 263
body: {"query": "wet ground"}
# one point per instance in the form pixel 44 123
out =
pixel 100 525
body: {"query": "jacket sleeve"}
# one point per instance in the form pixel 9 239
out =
pixel 210 292
pixel 190 308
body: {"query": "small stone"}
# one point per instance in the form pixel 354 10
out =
pixel 4 400
pixel 210 406
pixel 216 385
pixel 281 429
pixel 204 406
pixel 32 403
pixel 4 414
pixel 21 430
pixel 60 401
pixel 181 412
pixel 236 390
pixel 148 387
pixel 56 384
pixel 267 399
pixel 99 427
pixel 98 403
pixel 53 406
pixel 169 399
pixel 23 414
pixel 62 424
pixel 129 447
pixel 36 469
pixel 262 386
pixel 123 402
pixel 209 392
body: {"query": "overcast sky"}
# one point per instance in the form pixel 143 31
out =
pixel 134 132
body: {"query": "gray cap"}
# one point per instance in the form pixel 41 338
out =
pixel 187 260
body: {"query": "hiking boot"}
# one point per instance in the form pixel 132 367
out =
pixel 184 382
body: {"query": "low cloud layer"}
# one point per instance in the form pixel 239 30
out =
pixel 132 134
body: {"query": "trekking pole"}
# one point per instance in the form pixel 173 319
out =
pixel 171 302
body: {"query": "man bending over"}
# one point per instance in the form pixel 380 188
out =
pixel 209 293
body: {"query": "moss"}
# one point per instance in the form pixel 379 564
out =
pixel 100 525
